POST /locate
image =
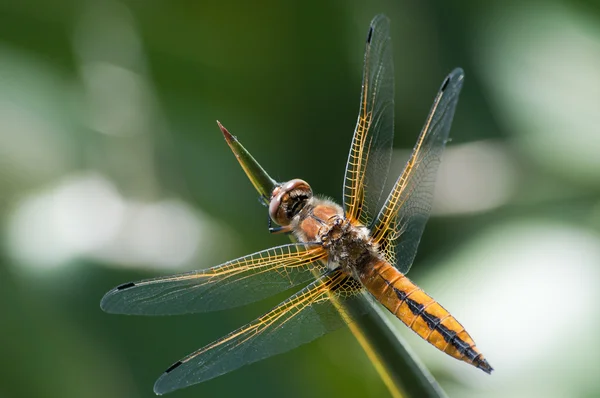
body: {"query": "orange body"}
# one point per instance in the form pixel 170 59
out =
pixel 421 313
pixel 348 245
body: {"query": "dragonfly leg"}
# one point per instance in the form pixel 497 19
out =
pixel 281 230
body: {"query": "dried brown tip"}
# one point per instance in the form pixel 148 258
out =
pixel 228 137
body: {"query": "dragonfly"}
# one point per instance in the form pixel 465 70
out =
pixel 365 247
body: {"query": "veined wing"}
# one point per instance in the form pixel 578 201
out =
pixel 234 283
pixel 300 319
pixel 370 152
pixel 400 223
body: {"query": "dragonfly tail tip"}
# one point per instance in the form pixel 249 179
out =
pixel 485 366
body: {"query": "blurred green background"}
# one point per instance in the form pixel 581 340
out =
pixel 112 169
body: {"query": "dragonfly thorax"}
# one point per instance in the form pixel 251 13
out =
pixel 288 199
pixel 348 246
pixel 324 222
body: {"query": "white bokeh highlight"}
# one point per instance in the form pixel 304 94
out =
pixel 84 216
pixel 473 178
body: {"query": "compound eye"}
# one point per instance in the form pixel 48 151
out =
pixel 287 200
pixel 274 207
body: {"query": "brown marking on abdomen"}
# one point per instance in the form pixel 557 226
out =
pixel 417 310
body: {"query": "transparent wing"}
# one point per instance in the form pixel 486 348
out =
pixel 370 152
pixel 300 319
pixel 400 223
pixel 234 283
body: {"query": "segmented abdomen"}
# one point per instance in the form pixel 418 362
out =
pixel 422 313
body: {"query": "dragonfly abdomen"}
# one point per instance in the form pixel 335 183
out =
pixel 420 312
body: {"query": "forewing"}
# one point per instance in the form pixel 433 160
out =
pixel 400 223
pixel 370 152
pixel 234 283
pixel 302 318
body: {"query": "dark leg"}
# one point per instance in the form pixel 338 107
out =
pixel 281 230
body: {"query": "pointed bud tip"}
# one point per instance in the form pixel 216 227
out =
pixel 228 137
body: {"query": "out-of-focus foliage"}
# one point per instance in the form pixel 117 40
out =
pixel 112 169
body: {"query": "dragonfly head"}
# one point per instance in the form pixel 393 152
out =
pixel 288 199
